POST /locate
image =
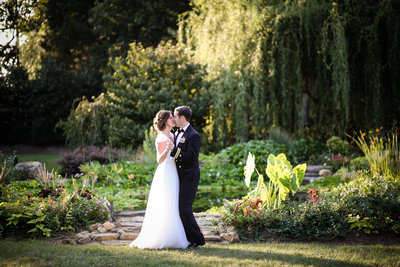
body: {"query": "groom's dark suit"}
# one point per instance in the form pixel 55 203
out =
pixel 186 154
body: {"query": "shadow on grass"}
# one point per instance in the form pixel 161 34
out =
pixel 273 256
pixel 44 253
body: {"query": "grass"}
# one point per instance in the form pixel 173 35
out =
pixel 50 159
pixel 45 253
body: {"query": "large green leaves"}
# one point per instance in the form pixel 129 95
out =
pixel 280 171
pixel 283 179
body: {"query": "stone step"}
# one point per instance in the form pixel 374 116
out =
pixel 129 236
pixel 206 228
pixel 105 236
pixel 132 223
pixel 127 229
pixel 116 242
pixel 317 168
pixel 128 225
pixel 212 238
pixel 129 213
pixel 312 174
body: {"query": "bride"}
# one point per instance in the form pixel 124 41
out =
pixel 162 227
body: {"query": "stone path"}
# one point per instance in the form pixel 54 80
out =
pixel 127 224
pixel 315 172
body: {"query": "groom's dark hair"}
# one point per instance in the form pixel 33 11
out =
pixel 184 111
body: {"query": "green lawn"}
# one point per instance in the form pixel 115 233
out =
pixel 45 253
pixel 50 159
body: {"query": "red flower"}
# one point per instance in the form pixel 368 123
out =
pixel 249 228
pixel 28 195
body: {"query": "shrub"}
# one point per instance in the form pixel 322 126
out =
pixel 294 220
pixel 369 203
pixel 374 199
pixel 226 167
pixel 118 173
pixel 336 145
pixel 41 211
pixel 147 80
pixel 307 221
pixel 301 149
pixel 359 163
pixel 71 161
pixel 335 161
pixel 87 124
pixel 8 173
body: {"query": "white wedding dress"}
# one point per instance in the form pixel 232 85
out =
pixel 162 226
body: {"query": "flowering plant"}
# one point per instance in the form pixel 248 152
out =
pixel 239 212
pixel 313 195
pixel 90 210
pixel 43 211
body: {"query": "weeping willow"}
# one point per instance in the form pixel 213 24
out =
pixel 311 67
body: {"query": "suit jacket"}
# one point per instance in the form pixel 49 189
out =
pixel 186 152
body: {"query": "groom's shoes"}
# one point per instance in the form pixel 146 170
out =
pixel 195 245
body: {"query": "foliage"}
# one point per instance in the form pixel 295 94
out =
pixel 120 22
pixel 43 211
pixel 13 115
pixel 382 154
pixel 8 173
pixel 64 55
pixel 119 173
pixel 365 203
pixel 50 99
pixel 300 149
pixel 359 163
pixel 295 65
pixel 226 167
pixel 147 154
pixel 325 183
pixel 210 196
pixel 125 198
pixel 307 221
pixel 87 124
pixel 241 213
pixel 147 80
pixel 71 161
pixel 372 202
pixel 283 180
pixel 294 220
pixel 336 145
pixel 330 160
pixel 15 18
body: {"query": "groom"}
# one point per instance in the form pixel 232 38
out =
pixel 186 154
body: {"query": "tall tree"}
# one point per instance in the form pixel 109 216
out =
pixel 318 68
pixel 67 48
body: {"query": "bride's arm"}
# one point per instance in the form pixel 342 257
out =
pixel 163 149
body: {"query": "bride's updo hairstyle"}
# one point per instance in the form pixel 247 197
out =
pixel 160 120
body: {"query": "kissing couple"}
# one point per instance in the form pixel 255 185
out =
pixel 169 221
